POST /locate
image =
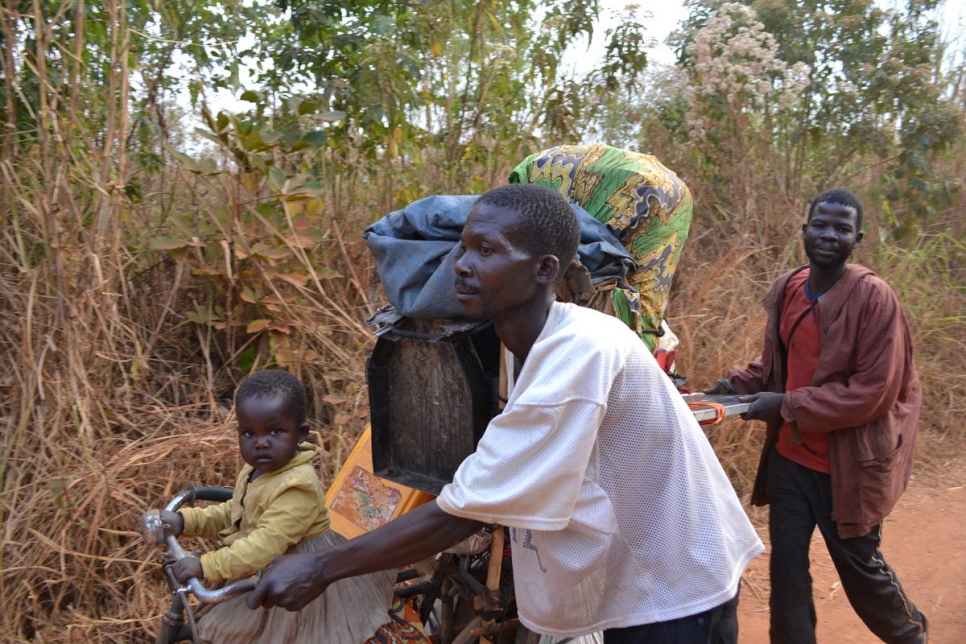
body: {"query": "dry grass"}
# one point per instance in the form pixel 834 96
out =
pixel 112 398
pixel 88 446
pixel 112 401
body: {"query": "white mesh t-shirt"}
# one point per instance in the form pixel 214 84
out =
pixel 620 512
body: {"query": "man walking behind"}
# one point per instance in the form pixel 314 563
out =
pixel 837 386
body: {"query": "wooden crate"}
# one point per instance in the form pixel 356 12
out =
pixel 432 392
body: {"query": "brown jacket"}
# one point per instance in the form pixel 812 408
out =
pixel 865 394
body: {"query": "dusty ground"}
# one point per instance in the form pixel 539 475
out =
pixel 924 540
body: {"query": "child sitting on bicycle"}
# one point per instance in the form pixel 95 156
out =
pixel 277 507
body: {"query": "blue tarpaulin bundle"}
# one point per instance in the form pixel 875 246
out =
pixel 414 250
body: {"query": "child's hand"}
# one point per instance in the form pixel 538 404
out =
pixel 187 568
pixel 173 519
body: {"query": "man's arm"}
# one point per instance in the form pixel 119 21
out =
pixel 750 380
pixel 292 581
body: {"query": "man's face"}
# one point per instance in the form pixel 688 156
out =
pixel 494 274
pixel 267 434
pixel 830 235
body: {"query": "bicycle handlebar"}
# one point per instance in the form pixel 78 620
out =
pixel 160 534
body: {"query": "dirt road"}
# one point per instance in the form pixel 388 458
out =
pixel 924 540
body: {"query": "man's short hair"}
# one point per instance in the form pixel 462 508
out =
pixel 549 224
pixel 842 197
pixel 275 382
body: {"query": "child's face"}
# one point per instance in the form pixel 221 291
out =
pixel 268 436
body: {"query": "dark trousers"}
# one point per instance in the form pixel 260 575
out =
pixel 801 498
pixel 716 626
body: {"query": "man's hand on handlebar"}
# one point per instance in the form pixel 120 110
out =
pixel 766 406
pixel 291 581
pixel 185 569
pixel 173 519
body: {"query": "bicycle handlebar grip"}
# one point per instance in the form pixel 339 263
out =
pixel 152 528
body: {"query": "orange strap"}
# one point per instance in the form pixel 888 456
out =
pixel 719 411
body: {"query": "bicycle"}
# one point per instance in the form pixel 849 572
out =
pixel 463 597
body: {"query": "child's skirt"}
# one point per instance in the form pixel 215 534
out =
pixel 350 611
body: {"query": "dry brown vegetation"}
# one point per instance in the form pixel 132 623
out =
pixel 126 323
pixel 113 399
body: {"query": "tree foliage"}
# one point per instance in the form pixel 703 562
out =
pixel 875 102
pixel 472 80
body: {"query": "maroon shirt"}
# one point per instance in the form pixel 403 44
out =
pixel 799 333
